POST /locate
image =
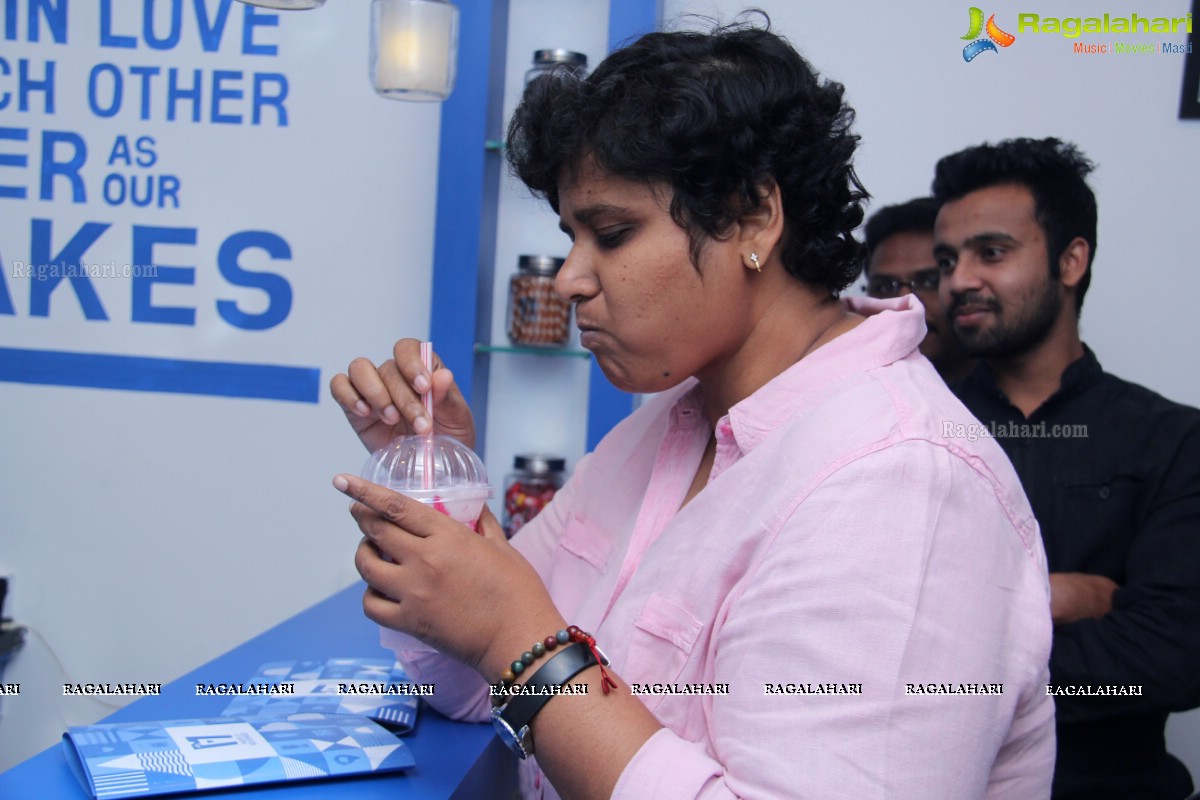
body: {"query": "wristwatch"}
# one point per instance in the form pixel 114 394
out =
pixel 512 720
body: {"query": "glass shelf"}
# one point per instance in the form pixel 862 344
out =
pixel 533 351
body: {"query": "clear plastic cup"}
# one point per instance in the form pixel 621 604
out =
pixel 437 470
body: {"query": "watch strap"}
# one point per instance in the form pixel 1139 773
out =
pixel 565 665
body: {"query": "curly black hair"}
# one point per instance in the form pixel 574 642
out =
pixel 718 117
pixel 1055 174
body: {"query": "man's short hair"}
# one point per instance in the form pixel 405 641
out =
pixel 915 216
pixel 1052 170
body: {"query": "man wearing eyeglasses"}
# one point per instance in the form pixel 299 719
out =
pixel 899 242
pixel 1112 470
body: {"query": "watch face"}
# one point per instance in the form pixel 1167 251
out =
pixel 514 740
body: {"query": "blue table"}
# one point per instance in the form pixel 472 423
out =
pixel 454 760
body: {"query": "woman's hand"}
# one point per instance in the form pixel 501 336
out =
pixel 471 596
pixel 384 402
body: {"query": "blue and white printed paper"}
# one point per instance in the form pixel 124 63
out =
pixel 375 688
pixel 138 759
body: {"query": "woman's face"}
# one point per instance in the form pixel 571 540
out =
pixel 649 316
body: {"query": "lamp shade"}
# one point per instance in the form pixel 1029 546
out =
pixel 414 48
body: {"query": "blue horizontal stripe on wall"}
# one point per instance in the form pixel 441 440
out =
pixel 143 374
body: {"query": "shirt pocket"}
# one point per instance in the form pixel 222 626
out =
pixel 581 557
pixel 1097 521
pixel 664 635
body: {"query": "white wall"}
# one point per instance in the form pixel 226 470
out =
pixel 917 100
pixel 149 532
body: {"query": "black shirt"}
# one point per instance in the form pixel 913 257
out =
pixel 1112 471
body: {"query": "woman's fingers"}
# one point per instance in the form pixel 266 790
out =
pixel 489 527
pixel 406 402
pixel 452 413
pixel 376 505
pixel 406 354
pixel 345 395
pixel 367 380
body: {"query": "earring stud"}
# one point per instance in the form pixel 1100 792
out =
pixel 754 260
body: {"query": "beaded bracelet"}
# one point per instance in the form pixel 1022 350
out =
pixel 571 634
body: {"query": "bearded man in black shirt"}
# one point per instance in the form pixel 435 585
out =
pixel 1111 469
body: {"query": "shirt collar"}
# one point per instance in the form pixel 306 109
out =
pixel 1080 372
pixel 1077 376
pixel 892 331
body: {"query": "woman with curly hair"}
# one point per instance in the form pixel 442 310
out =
pixel 806 583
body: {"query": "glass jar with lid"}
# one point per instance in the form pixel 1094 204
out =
pixel 537 316
pixel 547 61
pixel 530 487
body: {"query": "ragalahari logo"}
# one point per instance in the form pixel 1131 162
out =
pixel 994 33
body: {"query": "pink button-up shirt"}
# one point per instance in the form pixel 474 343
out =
pixel 866 582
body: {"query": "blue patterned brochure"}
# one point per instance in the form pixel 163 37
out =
pixel 139 759
pixel 374 688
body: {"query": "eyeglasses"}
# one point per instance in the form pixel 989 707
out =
pixel 885 286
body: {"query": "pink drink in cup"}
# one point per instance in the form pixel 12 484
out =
pixel 437 470
pixel 462 503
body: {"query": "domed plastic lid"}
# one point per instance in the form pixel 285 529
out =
pixel 403 464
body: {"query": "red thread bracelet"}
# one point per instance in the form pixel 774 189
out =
pixel 573 633
pixel 577 635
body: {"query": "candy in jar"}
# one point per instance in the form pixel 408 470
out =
pixel 537 316
pixel 530 487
